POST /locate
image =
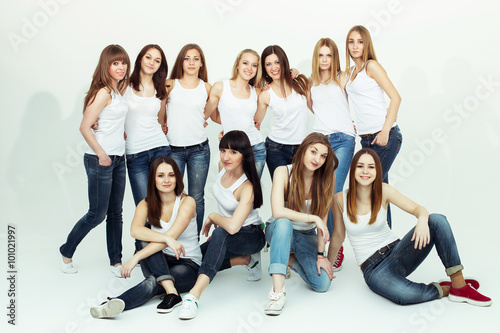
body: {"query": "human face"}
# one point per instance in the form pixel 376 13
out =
pixel 165 178
pixel 315 156
pixel 231 159
pixel 273 67
pixel 151 61
pixel 325 58
pixel 355 45
pixel 117 70
pixel 366 172
pixel 248 65
pixel 192 62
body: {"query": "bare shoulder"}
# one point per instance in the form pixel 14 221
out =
pixel 264 97
pixel 373 68
pixel 340 200
pixel 208 86
pixel 217 88
pixel 188 201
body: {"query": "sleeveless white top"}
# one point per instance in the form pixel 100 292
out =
pixel 109 133
pixel 185 115
pixel 367 98
pixel 188 238
pixel 227 203
pixel 237 113
pixel 141 125
pixel 290 118
pixel 301 225
pixel 365 239
pixel 331 110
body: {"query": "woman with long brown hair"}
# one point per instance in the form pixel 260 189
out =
pixel 104 160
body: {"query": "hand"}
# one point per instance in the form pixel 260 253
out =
pixel 266 87
pixel 96 124
pixel 294 73
pixel 257 125
pixel 104 161
pixel 164 128
pixel 421 234
pixel 128 267
pixel 205 124
pixel 175 246
pixel 381 138
pixel 124 136
pixel 322 228
pixel 207 225
pixel 221 134
pixel 355 129
pixel 324 263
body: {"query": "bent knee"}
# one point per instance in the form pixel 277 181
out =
pixel 322 284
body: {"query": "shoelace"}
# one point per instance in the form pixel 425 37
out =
pixel 274 295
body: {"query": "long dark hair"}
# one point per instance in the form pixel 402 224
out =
pixel 238 140
pixel 153 199
pixel 159 76
pixel 376 195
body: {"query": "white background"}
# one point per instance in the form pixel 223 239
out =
pixel 442 56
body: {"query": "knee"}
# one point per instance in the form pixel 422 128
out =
pixel 282 227
pixel 438 222
pixel 218 233
pixel 322 284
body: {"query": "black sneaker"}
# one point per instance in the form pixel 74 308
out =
pixel 170 301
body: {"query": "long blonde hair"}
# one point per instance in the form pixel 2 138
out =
pixel 256 79
pixel 334 65
pixel 102 78
pixel 368 49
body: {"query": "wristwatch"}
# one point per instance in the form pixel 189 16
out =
pixel 323 254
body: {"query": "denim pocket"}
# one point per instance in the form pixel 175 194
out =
pixel 131 157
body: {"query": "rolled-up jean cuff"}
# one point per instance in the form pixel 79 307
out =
pixel 277 268
pixel 165 277
pixel 452 270
pixel 439 288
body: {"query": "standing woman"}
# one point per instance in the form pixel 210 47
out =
pixel 301 197
pixel 187 95
pixel 376 124
pixel 146 97
pixel 287 100
pixel 385 260
pixel 171 260
pixel 328 101
pixel 104 160
pixel 233 103
pixel 237 224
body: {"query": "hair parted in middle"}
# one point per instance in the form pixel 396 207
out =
pixel 322 186
pixel 178 71
pixel 335 70
pixel 368 49
pixel 159 76
pixel 256 79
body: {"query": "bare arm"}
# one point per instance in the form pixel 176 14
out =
pixel 162 115
pixel 338 234
pixel 213 100
pixel 262 104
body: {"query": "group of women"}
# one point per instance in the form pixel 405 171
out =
pixel 309 204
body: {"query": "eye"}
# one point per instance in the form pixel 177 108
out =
pixel 233 152
pixel 222 150
pixel 157 61
pixel 324 156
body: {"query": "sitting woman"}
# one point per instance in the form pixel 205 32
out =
pixel 238 230
pixel 385 260
pixel 301 197
pixel 171 260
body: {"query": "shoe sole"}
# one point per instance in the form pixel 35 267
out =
pixel 168 310
pixel 109 310
pixel 251 278
pixel 460 299
pixel 185 317
pixel 272 312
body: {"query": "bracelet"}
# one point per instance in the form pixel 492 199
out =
pixel 321 257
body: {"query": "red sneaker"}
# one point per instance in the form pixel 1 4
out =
pixel 468 294
pixel 473 283
pixel 337 265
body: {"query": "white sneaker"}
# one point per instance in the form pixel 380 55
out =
pixel 189 308
pixel 276 304
pixel 109 309
pixel 68 268
pixel 254 267
pixel 116 271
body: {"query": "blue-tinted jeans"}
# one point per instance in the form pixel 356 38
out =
pixel 223 246
pixel 106 187
pixel 156 268
pixel 278 154
pixel 386 275
pixel 387 155
pixel 343 147
pixel 138 170
pixel 197 159
pixel 304 244
pixel 259 153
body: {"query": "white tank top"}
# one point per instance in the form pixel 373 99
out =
pixel 188 238
pixel 109 133
pixel 331 110
pixel 290 118
pixel 237 113
pixel 367 99
pixel 301 225
pixel 227 203
pixel 185 115
pixel 365 239
pixel 141 125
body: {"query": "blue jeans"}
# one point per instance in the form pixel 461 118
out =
pixel 386 275
pixel 343 147
pixel 197 158
pixel 278 154
pixel 223 246
pixel 304 244
pixel 387 155
pixel 138 170
pixel 259 153
pixel 106 187
pixel 156 268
